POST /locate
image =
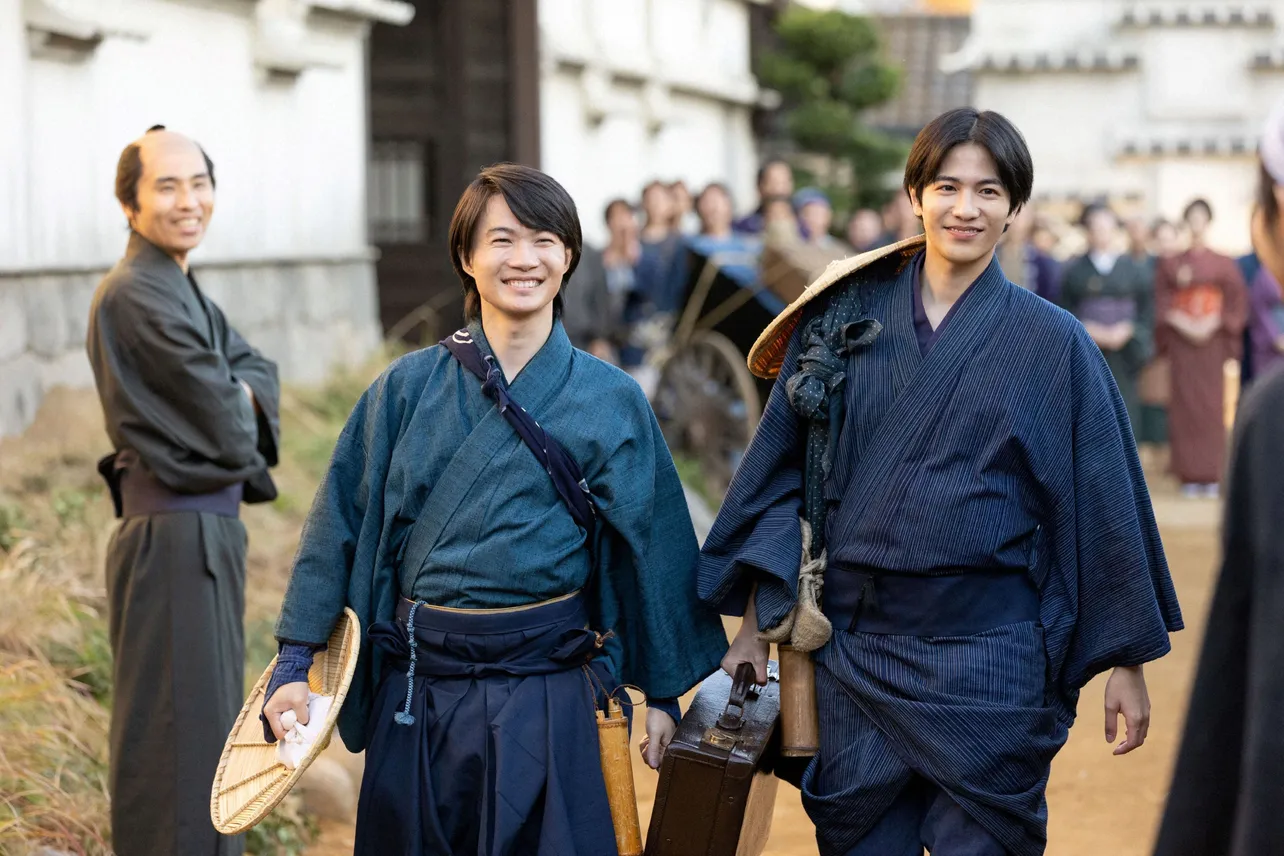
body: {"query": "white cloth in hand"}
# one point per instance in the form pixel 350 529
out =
pixel 298 740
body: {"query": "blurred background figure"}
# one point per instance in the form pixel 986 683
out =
pixel 661 269
pixel 1166 239
pixel 1201 305
pixel 1139 241
pixel 684 215
pixel 1024 263
pixel 775 181
pixel 593 303
pixel 715 209
pixel 780 225
pixel 1112 294
pixel 1044 239
pixel 1227 789
pixel 899 221
pixel 865 230
pixel 1148 245
pixel 816 215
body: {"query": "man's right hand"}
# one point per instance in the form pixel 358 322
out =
pixel 747 648
pixel 289 697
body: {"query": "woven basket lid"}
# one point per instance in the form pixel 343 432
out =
pixel 250 781
pixel 768 353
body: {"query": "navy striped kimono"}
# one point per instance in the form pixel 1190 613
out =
pixel 1003 450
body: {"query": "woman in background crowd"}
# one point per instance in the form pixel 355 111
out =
pixel 1113 296
pixel 1201 306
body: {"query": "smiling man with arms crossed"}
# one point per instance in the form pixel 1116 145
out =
pixel 966 461
pixel 191 412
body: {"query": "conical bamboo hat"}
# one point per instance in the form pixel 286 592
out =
pixel 250 781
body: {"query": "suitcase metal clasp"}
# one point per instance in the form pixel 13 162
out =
pixel 721 739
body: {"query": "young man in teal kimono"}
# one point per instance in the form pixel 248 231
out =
pixel 496 616
pixel 978 519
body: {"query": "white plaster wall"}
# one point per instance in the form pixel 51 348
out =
pixel 634 90
pixel 286 254
pixel 1192 82
pixel 289 157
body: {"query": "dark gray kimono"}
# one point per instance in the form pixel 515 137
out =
pixel 1227 792
pixel 1126 293
pixel 168 367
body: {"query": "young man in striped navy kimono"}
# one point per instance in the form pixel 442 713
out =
pixel 494 607
pixel 965 461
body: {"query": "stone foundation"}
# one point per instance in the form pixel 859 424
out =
pixel 311 316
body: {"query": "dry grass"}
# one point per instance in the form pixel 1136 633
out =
pixel 55 662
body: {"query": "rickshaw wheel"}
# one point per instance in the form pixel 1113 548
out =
pixel 707 404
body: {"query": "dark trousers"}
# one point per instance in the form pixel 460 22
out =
pixel 925 816
pixel 176 598
pixel 497 752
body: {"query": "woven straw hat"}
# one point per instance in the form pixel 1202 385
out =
pixel 250 781
pixel 768 353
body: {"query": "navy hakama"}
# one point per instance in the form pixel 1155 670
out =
pixel 503 719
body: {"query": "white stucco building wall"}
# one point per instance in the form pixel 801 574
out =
pixel 635 90
pixel 274 90
pixel 1150 103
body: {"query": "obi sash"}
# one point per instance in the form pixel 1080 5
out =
pixel 135 492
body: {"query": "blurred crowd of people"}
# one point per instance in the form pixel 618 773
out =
pixel 1180 325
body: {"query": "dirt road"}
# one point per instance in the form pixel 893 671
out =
pixel 1097 803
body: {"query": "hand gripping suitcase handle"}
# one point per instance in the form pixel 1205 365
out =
pixel 723 735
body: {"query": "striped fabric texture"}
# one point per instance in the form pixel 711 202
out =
pixel 1006 446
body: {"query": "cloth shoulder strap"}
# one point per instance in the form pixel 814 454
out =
pixel 552 456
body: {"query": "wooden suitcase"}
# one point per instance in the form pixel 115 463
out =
pixel 716 790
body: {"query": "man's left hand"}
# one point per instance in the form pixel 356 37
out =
pixel 660 729
pixel 1126 694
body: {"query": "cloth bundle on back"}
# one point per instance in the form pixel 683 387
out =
pixel 496 617
pixel 988 539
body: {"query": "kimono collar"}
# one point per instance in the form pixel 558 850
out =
pixel 143 252
pixel 546 372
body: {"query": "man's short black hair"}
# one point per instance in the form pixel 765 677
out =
pixel 129 169
pixel 1092 209
pixel 715 186
pixel 536 200
pixel 987 129
pixel 612 205
pixel 1197 203
pixel 768 164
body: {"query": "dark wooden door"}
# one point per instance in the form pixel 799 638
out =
pixel 451 92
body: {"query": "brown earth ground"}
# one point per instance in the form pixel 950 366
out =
pixel 1098 804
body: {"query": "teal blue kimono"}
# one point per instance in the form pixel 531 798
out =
pixel 424 442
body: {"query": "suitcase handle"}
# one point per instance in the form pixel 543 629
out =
pixel 733 717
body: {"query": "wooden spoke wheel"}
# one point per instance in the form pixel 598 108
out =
pixel 708 406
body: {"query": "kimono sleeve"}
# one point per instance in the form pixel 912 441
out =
pixel 667 639
pixel 757 536
pixel 1108 598
pixel 343 530
pixel 260 374
pixel 183 393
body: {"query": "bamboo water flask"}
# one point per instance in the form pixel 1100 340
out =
pixel 799 714
pixel 617 771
